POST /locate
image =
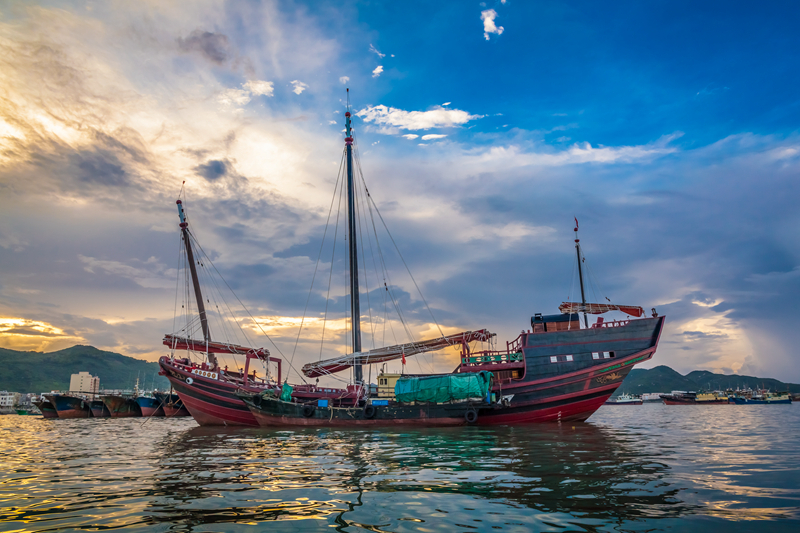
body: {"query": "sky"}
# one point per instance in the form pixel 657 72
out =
pixel 668 129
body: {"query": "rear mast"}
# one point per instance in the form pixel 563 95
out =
pixel 201 308
pixel 355 310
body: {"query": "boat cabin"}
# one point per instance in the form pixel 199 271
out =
pixel 543 323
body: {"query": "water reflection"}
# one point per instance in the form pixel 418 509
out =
pixel 658 470
pixel 581 471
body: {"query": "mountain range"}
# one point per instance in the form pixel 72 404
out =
pixel 664 379
pixel 42 372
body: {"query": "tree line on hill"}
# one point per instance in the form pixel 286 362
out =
pixel 42 372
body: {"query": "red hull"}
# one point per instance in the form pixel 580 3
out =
pixel 712 402
pixel 150 411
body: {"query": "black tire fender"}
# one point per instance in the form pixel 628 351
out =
pixel 471 416
pixel 369 411
pixel 308 411
pixel 257 400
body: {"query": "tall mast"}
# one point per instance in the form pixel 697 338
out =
pixel 580 273
pixel 355 308
pixel 195 282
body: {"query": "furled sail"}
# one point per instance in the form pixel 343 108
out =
pixel 390 353
pixel 598 309
pixel 182 343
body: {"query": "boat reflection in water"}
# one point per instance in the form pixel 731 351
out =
pixel 567 474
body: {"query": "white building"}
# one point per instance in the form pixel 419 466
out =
pixel 8 399
pixel 84 383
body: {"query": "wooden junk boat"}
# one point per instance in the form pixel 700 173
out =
pixel 554 371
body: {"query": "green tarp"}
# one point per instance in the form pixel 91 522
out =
pixel 441 389
pixel 286 392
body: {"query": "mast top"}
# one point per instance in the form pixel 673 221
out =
pixel 576 230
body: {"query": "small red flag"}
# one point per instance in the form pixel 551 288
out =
pixel 576 222
pixel 403 355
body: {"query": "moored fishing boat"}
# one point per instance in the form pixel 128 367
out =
pixel 150 405
pixel 99 409
pixel 68 406
pixel 47 409
pixel 171 404
pixel 121 406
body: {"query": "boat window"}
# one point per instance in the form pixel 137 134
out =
pixel 553 358
pixel 569 358
pixel 606 355
pixel 595 355
pixel 612 354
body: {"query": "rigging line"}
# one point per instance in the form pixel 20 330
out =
pixel 333 257
pixel 358 202
pixel 252 317
pixel 404 263
pixel 387 277
pixel 177 283
pixel 319 256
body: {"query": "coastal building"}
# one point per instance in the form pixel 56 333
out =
pixel 84 383
pixel 7 401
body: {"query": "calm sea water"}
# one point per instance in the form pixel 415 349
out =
pixel 648 468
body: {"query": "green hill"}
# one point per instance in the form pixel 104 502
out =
pixel 664 379
pixel 40 372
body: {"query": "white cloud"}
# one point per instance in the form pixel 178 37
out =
pixel 489 26
pixel 234 97
pixel 437 117
pixel 375 50
pixel 377 71
pixel 259 87
pixel 344 79
pixel 446 103
pixel 331 122
pixel 298 87
pixel 410 136
pixel 433 136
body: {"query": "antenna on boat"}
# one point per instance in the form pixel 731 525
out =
pixel 580 273
pixel 355 310
pixel 196 283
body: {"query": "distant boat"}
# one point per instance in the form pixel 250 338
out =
pixel 694 398
pixel 624 399
pixel 765 398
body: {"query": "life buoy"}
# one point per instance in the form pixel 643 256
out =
pixel 308 411
pixel 189 381
pixel 369 411
pixel 471 416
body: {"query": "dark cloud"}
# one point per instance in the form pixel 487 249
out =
pixel 213 169
pixel 99 166
pixel 212 46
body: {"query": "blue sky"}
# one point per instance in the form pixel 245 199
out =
pixel 669 129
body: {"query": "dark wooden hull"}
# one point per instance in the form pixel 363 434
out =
pixel 569 389
pixel 70 406
pixel 47 409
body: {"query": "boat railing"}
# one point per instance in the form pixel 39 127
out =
pixel 601 323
